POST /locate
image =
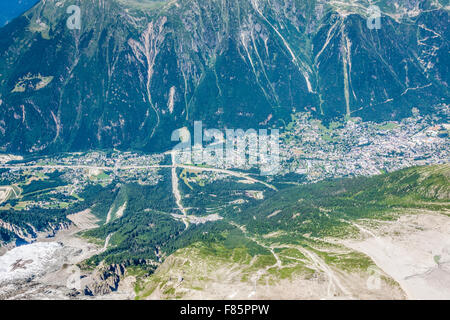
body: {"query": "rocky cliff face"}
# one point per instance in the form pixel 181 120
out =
pixel 29 233
pixel 136 70
pixel 105 280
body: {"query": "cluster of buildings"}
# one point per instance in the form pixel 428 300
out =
pixel 362 148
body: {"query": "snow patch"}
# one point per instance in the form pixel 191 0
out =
pixel 30 261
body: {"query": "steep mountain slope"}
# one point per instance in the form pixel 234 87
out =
pixel 139 69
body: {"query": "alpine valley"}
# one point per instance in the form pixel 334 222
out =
pixel 93 204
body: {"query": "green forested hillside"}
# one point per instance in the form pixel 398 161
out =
pixel 325 208
pixel 297 213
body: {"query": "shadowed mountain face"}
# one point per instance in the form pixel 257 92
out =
pixel 136 70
